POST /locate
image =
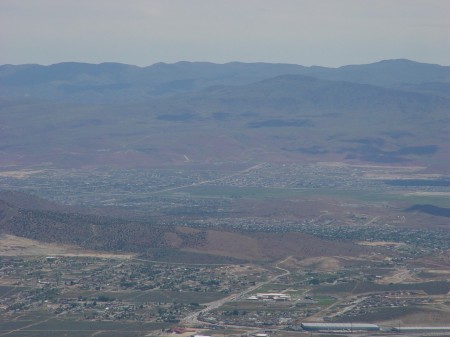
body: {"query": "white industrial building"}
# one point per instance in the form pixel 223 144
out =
pixel 270 296
pixel 340 327
pixel 417 329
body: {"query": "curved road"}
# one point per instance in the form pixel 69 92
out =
pixel 192 318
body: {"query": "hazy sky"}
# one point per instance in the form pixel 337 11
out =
pixel 143 32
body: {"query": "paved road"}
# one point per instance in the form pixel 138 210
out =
pixel 254 167
pixel 193 318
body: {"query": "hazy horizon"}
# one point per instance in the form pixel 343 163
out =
pixel 209 62
pixel 324 33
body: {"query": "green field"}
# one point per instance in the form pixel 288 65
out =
pixel 270 288
pixel 325 300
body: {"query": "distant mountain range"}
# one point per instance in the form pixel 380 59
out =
pixel 73 114
pixel 114 82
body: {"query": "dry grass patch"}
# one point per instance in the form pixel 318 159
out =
pixel 11 245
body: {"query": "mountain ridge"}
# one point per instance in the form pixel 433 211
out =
pixel 63 81
pixel 284 117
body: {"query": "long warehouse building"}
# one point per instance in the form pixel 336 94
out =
pixel 340 327
pixel 417 329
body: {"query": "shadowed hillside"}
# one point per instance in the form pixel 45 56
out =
pixel 159 241
pixel 430 209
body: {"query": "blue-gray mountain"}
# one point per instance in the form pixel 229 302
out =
pixel 113 82
pixel 73 114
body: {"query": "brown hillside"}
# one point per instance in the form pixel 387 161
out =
pixel 96 232
pixel 272 246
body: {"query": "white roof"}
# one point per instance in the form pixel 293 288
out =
pixel 340 325
pixel 424 328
